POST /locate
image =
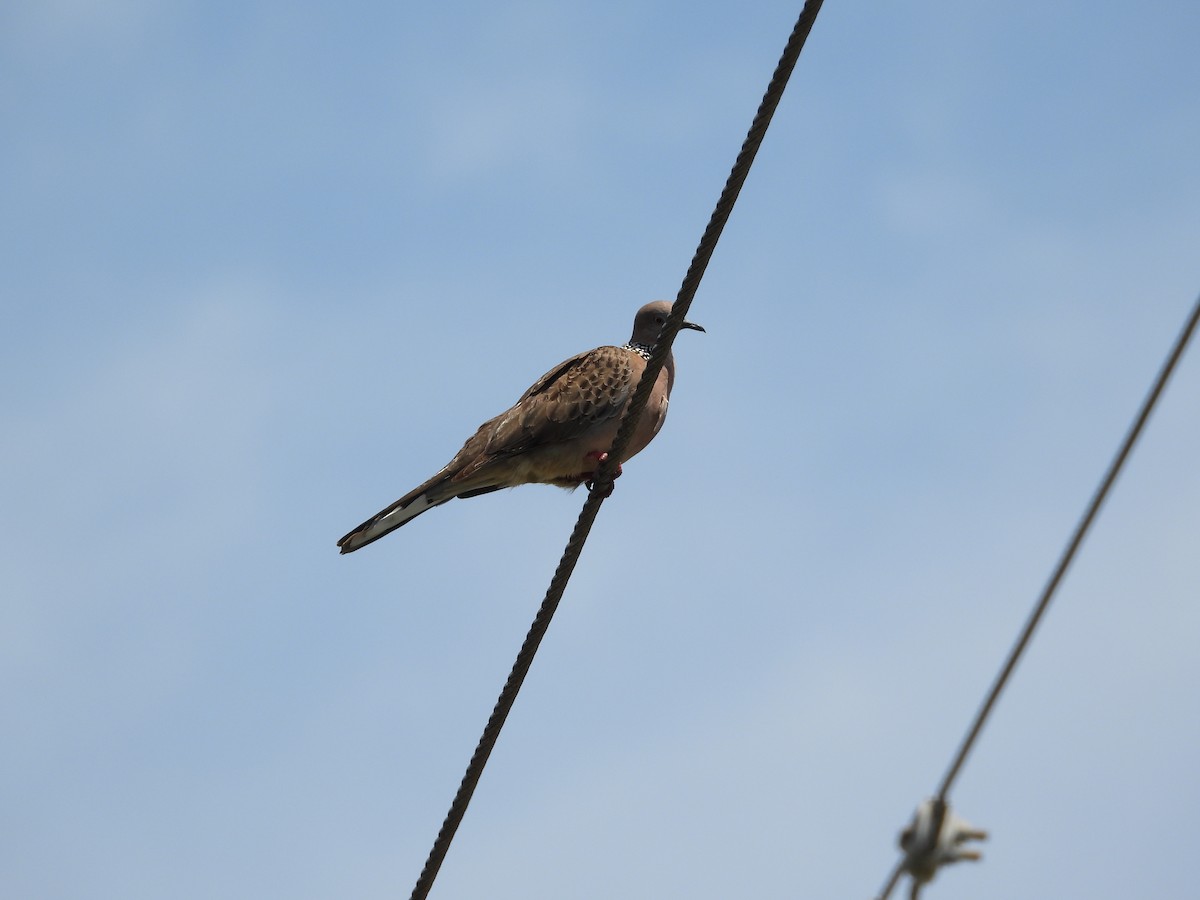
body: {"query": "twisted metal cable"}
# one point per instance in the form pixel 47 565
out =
pixel 602 484
pixel 892 880
pixel 1068 554
pixel 1060 570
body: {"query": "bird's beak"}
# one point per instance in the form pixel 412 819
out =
pixel 693 326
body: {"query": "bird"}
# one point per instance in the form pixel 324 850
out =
pixel 559 431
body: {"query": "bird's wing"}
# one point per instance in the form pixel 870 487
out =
pixel 577 395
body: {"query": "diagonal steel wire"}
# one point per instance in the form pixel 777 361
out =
pixel 1060 570
pixel 602 484
pixel 1068 554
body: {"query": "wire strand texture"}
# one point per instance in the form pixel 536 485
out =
pixel 602 485
pixel 1060 570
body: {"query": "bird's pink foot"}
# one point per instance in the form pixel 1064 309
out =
pixel 600 456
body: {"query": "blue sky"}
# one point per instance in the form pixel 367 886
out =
pixel 265 265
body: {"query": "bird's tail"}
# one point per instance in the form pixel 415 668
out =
pixel 438 490
pixel 422 499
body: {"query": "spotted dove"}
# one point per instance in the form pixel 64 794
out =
pixel 558 433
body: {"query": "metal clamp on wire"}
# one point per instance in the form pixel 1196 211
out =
pixel 935 838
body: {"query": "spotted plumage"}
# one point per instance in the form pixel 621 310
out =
pixel 556 433
pixel 640 349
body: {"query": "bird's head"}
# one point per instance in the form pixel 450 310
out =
pixel 649 321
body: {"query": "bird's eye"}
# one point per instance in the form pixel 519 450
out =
pixel 659 319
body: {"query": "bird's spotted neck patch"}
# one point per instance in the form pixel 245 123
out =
pixel 640 349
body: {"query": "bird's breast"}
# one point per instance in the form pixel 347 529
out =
pixel 652 419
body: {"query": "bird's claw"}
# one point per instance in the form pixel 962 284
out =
pixel 605 493
pixel 601 456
